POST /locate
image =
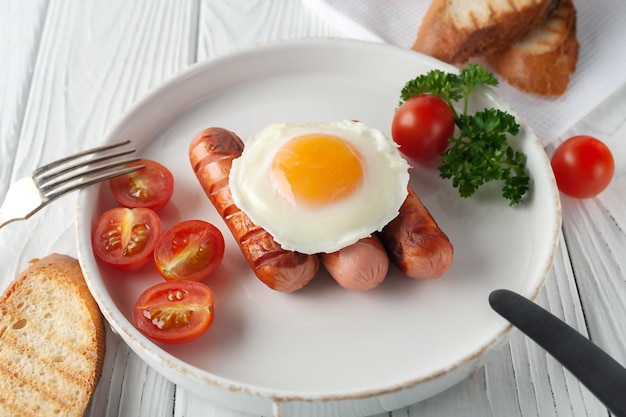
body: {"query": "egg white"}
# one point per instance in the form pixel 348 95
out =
pixel 314 229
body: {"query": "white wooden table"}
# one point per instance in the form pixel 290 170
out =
pixel 69 69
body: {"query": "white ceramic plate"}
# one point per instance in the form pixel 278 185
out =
pixel 324 350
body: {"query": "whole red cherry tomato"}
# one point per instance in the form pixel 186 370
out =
pixel 583 166
pixel 422 126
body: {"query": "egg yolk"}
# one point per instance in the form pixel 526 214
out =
pixel 317 169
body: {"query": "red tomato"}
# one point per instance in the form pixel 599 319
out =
pixel 174 311
pixel 125 238
pixel 583 166
pixel 191 250
pixel 422 126
pixel 150 187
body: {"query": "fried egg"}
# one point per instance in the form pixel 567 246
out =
pixel 318 187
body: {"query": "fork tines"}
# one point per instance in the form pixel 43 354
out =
pixel 83 169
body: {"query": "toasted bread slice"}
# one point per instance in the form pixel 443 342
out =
pixel 456 30
pixel 51 341
pixel 542 62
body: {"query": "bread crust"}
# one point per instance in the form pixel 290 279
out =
pixel 52 341
pixel 441 35
pixel 543 62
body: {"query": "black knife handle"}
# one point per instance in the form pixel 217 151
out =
pixel 599 372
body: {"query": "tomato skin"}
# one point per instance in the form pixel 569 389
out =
pixel 422 126
pixel 583 166
pixel 150 187
pixel 191 250
pixel 125 238
pixel 183 309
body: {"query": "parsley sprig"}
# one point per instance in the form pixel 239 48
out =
pixel 481 152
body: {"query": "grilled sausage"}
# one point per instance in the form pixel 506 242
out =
pixel 415 243
pixel 211 154
pixel 360 266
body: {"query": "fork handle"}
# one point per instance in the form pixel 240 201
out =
pixel 21 201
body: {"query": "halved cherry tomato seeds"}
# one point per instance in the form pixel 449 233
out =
pixel 174 311
pixel 150 187
pixel 191 250
pixel 125 238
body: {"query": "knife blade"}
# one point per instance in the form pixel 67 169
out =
pixel 599 372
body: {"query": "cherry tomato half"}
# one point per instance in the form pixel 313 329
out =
pixel 125 238
pixel 583 166
pixel 422 126
pixel 174 311
pixel 191 250
pixel 150 187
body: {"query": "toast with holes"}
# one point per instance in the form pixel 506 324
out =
pixel 51 341
pixel 456 30
pixel 543 61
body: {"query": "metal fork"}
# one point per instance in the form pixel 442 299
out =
pixel 47 183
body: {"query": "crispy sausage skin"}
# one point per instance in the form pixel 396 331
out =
pixel 415 243
pixel 360 266
pixel 211 153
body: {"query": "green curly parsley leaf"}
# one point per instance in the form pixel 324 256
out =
pixel 481 152
pixel 443 84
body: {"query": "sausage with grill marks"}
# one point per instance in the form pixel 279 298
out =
pixel 211 154
pixel 415 243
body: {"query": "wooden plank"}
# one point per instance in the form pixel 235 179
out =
pixel 95 59
pixel 189 405
pixel 538 384
pixel 595 234
pixel 21 25
pixel 128 386
pixel 560 296
pixel 225 25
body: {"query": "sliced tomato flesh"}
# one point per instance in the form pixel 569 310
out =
pixel 190 250
pixel 125 238
pixel 150 187
pixel 174 311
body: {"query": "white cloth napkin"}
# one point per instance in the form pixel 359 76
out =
pixel 601 68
